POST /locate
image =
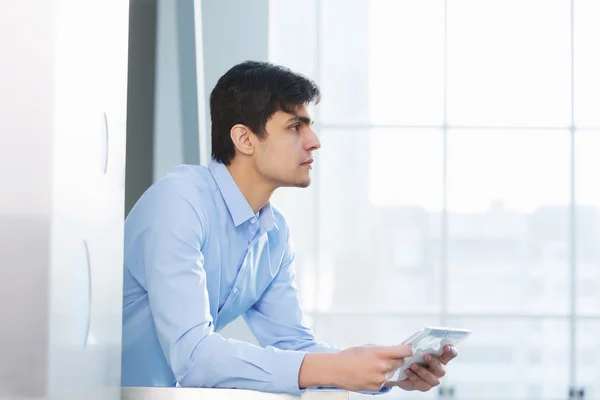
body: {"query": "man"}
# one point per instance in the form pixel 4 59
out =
pixel 204 246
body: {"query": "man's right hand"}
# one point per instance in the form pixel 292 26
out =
pixel 368 368
pixel 356 369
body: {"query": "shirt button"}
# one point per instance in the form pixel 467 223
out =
pixel 235 290
pixel 253 221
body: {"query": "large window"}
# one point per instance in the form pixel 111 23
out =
pixel 457 183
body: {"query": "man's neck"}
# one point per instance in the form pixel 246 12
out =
pixel 256 191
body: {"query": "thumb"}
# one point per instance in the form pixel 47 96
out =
pixel 399 351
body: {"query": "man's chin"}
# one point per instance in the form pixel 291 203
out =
pixel 304 184
pixel 299 182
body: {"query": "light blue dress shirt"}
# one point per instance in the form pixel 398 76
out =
pixel 196 258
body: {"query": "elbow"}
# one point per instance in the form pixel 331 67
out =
pixel 191 358
pixel 192 379
pixel 193 373
pixel 199 373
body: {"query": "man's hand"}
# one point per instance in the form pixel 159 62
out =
pixel 425 378
pixel 368 368
pixel 355 369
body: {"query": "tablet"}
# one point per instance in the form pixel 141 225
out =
pixel 430 340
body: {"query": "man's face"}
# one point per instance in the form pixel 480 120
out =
pixel 284 156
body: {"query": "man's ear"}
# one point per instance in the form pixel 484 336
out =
pixel 241 136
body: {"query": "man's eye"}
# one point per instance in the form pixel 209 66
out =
pixel 296 127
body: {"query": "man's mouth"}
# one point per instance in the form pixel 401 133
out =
pixel 307 163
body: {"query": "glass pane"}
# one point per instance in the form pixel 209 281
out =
pixel 587 194
pixel 354 330
pixel 508 221
pixel 588 357
pixel 511 359
pixel 587 63
pixel 406 75
pixel 344 64
pixel 293 35
pixel 380 200
pixel 507 66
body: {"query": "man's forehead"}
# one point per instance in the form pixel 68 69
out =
pixel 305 110
pixel 298 111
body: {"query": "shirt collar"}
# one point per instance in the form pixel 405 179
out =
pixel 267 218
pixel 235 201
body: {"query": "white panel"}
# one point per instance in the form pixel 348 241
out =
pixel 88 199
pixel 201 97
pixel 26 43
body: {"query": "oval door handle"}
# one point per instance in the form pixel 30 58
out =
pixel 88 266
pixel 104 144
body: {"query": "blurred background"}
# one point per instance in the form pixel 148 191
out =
pixel 457 183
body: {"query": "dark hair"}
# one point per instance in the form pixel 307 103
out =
pixel 249 94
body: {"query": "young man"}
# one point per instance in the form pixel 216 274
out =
pixel 204 246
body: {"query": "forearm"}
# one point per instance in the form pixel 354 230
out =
pixel 319 370
pixel 327 370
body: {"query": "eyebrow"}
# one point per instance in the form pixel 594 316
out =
pixel 300 118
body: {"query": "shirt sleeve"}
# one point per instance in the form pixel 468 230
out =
pixel 277 319
pixel 178 297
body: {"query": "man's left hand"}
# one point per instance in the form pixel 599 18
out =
pixel 424 378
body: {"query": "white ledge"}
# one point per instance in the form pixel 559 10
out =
pixel 178 393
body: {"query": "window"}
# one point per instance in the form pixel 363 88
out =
pixel 457 182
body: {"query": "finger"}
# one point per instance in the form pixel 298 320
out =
pixel 425 374
pixel 450 352
pixel 414 378
pixel 417 382
pixel 400 351
pixel 391 383
pixel 435 365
